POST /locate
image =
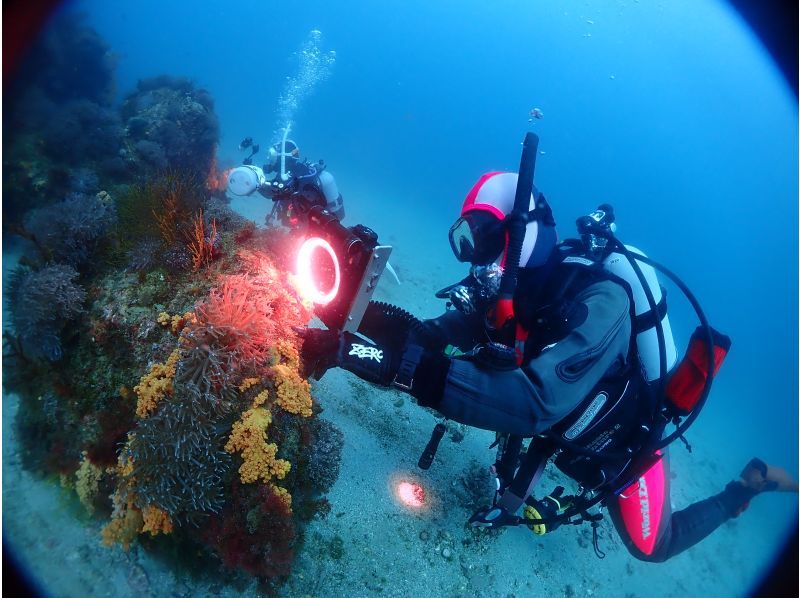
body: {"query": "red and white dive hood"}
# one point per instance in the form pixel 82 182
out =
pixel 494 193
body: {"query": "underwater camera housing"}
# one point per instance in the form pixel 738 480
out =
pixel 339 268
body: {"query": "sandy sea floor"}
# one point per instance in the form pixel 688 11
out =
pixel 370 544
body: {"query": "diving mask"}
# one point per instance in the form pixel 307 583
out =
pixel 477 237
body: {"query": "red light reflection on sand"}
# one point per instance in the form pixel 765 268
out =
pixel 411 494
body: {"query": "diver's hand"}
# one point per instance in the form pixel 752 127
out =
pixel 320 352
pixel 325 349
pixel 371 362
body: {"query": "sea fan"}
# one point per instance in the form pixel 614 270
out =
pixel 68 231
pixel 41 303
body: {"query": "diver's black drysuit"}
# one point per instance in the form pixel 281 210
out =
pixel 573 346
pixel 311 181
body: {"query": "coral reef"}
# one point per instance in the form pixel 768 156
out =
pixel 169 121
pixel 178 464
pixel 43 301
pixel 152 343
pixel 249 437
pixel 68 231
pixel 156 384
pixel 87 483
pixel 219 441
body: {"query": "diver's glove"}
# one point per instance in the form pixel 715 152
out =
pixel 420 372
pixel 320 351
pixel 325 349
pixel 411 368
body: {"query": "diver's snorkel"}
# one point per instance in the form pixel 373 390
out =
pixel 516 222
pixel 284 176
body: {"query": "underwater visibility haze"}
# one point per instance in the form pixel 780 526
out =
pixel 162 432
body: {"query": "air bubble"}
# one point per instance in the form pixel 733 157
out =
pixel 314 67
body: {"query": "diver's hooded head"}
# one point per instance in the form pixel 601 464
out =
pixel 480 237
pixel 290 150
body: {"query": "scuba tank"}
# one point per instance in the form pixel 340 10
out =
pixel 646 334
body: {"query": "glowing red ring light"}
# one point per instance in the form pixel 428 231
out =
pixel 306 278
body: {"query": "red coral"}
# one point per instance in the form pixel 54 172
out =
pixel 246 315
pixel 245 233
pixel 254 533
pixel 114 423
pixel 237 319
pixel 201 242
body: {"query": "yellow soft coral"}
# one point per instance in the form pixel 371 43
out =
pixel 87 483
pixel 175 323
pixel 288 353
pixel 294 393
pixel 156 521
pixel 163 318
pixel 124 466
pixel 178 323
pixel 248 383
pixel 260 398
pixel 249 437
pixel 123 529
pixel 154 385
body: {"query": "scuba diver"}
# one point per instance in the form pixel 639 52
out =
pixel 566 344
pixel 294 185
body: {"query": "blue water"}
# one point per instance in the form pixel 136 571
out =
pixel 671 111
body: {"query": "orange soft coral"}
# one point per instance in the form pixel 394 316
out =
pixel 175 323
pixel 260 398
pixel 287 352
pixel 248 383
pixel 156 521
pixel 249 437
pixel 293 392
pixel 124 528
pixel 163 318
pixel 155 385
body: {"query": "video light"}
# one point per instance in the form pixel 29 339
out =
pixel 339 268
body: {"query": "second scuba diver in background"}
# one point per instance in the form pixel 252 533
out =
pixel 569 354
pixel 292 183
